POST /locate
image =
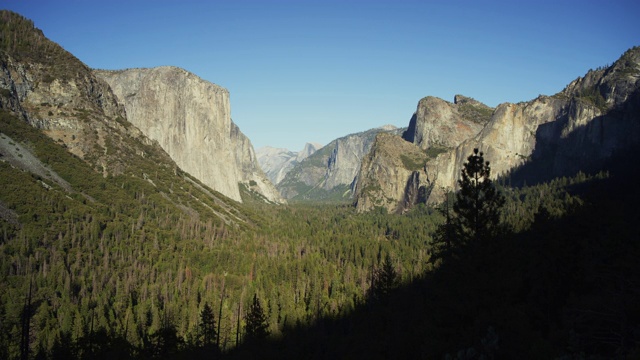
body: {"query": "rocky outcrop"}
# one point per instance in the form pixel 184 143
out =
pixel 54 91
pixel 507 140
pixel 251 175
pixel 190 119
pixel 390 174
pixel 330 172
pixel 277 162
pixel 438 123
pixel 21 157
pixel 576 129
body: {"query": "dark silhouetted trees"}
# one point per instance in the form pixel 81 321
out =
pixel 385 279
pixel 478 202
pixel 208 335
pixel 165 342
pixel 256 327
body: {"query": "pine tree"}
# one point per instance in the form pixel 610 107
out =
pixel 443 239
pixel 256 327
pixel 26 325
pixel 478 202
pixel 476 210
pixel 385 279
pixel 165 342
pixel 207 325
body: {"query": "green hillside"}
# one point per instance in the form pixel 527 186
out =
pixel 129 253
pixel 117 263
pixel 142 260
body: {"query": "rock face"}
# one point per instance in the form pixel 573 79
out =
pixel 54 91
pixel 576 129
pixel 438 123
pixel 190 119
pixel 390 175
pixel 277 162
pixel 329 174
pixel 43 85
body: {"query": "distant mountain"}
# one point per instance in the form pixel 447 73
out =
pixel 576 129
pixel 277 162
pixel 330 172
pixel 191 119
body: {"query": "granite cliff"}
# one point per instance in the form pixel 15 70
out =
pixel 576 129
pixel 45 86
pixel 438 123
pixel 330 173
pixel 277 162
pixel 390 175
pixel 191 120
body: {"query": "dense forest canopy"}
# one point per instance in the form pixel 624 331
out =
pixel 113 262
pixel 114 254
pixel 147 262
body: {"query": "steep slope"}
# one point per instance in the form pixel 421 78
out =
pixel 438 123
pixel 191 119
pixel 277 162
pixel 331 171
pixel 51 90
pixel 55 92
pixel 390 175
pixel 576 129
pixel 94 216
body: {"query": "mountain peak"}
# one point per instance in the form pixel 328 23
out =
pixel 277 162
pixel 387 127
pixel 308 150
pixel 461 99
pixel 607 87
pixel 26 43
pixel 329 173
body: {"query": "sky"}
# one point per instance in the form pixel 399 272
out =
pixel 313 71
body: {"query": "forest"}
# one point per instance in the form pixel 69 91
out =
pixel 130 267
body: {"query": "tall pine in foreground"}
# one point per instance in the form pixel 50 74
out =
pixel 476 210
pixel 478 202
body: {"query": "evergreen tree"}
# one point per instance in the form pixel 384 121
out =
pixel 256 322
pixel 165 342
pixel 208 333
pixel 26 325
pixel 443 238
pixel 63 347
pixel 478 202
pixel 385 279
pixel 476 210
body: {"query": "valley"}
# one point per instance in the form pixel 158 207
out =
pixel 136 222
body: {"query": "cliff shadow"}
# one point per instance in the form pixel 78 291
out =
pixel 587 148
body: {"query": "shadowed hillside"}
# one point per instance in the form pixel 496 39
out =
pixel 565 288
pixel 109 250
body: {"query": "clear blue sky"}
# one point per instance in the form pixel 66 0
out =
pixel 302 71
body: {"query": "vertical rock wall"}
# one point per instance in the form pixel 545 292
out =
pixel 191 120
